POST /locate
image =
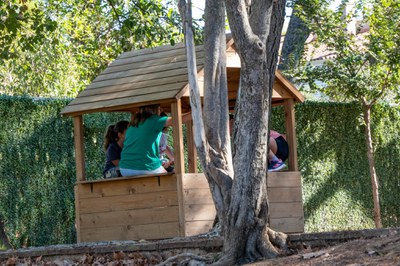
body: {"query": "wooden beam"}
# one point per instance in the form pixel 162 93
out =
pixel 291 134
pixel 176 112
pixel 77 214
pixel 192 152
pixel 79 148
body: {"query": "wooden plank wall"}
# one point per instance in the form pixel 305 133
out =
pixel 128 209
pixel 285 202
pixel 199 206
pixel 285 198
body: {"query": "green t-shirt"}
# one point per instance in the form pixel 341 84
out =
pixel 140 151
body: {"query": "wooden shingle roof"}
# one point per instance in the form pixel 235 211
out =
pixel 157 75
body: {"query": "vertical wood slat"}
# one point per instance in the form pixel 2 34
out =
pixel 79 148
pixel 291 134
pixel 176 112
pixel 77 215
pixel 192 152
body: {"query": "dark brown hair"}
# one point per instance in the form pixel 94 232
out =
pixel 144 113
pixel 111 135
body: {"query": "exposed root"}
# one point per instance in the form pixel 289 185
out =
pixel 266 248
pixel 279 239
pixel 184 259
pixel 226 260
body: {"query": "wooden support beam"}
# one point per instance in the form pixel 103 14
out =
pixel 77 214
pixel 79 148
pixel 192 152
pixel 176 113
pixel 291 134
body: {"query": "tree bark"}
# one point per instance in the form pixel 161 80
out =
pixel 219 171
pixel 242 205
pixel 371 162
pixel 256 37
pixel 211 137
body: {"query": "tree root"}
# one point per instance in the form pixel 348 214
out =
pixel 279 239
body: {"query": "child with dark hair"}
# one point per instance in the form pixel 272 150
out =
pixel 113 143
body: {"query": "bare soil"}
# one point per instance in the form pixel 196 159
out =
pixel 383 250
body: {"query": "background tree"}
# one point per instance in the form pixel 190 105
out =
pixel 239 192
pixel 365 69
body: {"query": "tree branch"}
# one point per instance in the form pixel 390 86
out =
pixel 115 11
pixel 240 25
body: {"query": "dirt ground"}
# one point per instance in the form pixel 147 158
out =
pixel 381 250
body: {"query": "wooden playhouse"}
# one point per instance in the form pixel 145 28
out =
pixel 169 205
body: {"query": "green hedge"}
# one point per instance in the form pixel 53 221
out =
pixel 37 166
pixel 337 191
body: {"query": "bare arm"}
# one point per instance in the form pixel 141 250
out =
pixel 170 155
pixel 185 118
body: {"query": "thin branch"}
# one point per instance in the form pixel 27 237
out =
pixel 116 12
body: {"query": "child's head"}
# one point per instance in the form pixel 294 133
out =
pixel 115 132
pixel 144 113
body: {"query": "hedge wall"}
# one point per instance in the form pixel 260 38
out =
pixel 332 157
pixel 37 166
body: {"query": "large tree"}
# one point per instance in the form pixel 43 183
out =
pixel 237 179
pixel 365 68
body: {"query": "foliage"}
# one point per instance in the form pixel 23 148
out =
pixel 22 25
pixel 37 166
pixel 334 166
pixel 55 48
pixel 365 66
pixel 37 169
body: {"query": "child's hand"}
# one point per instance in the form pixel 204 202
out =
pixel 165 164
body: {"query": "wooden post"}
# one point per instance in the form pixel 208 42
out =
pixel 79 148
pixel 291 134
pixel 192 152
pixel 176 112
pixel 77 214
pixel 80 169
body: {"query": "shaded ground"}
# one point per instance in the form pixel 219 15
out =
pixel 383 250
pixel 373 247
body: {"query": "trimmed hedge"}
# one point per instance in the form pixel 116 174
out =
pixel 37 166
pixel 332 155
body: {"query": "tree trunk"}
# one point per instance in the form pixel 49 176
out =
pixel 242 205
pixel 211 138
pixel 371 162
pixel 219 171
pixel 293 44
pixel 257 42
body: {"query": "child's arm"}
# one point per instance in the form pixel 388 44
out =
pixel 170 155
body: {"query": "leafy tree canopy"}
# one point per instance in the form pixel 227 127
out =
pixel 365 66
pixel 54 48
